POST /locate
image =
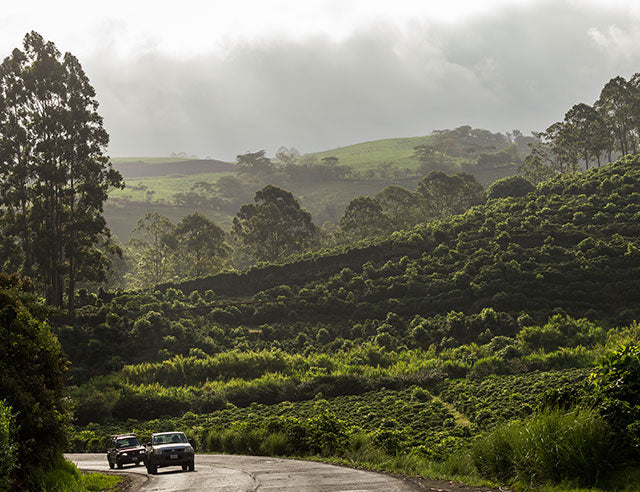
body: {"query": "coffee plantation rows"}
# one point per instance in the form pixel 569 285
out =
pixel 494 400
pixel 416 347
pixel 412 419
pixel 570 246
pixel 200 383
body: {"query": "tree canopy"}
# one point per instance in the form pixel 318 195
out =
pixel 274 226
pixel 54 174
pixel 449 194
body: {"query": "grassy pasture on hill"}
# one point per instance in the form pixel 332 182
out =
pixel 368 155
pixel 140 169
pixel 163 188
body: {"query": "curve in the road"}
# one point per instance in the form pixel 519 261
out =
pixel 231 473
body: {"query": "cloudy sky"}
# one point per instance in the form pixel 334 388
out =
pixel 220 78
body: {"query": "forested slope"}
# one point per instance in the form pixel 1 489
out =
pixel 570 247
pixel 417 345
pixel 572 243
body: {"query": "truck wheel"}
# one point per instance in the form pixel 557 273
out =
pixel 184 467
pixel 110 463
pixel 153 469
pixel 192 466
pixel 119 466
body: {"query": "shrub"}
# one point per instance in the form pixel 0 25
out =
pixel 361 449
pixel 327 433
pixel 61 476
pixel 213 440
pixel 275 444
pixel 32 380
pixel 550 447
pixel 488 366
pixel 616 382
pixel 515 186
pixel 7 447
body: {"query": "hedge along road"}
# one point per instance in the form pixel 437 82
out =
pixel 230 473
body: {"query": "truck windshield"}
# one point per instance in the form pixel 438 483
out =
pixel 169 438
pixel 127 442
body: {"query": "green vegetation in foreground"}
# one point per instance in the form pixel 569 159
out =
pixel 369 155
pixel 65 477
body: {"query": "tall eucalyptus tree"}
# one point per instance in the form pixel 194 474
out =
pixel 54 174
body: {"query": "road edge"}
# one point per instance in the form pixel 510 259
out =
pixel 130 481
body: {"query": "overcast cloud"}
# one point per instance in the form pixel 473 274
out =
pixel 511 67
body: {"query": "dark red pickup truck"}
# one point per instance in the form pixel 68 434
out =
pixel 125 449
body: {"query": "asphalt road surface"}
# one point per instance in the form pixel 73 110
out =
pixel 227 473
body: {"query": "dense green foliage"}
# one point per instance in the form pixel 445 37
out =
pixel 553 446
pixel 356 353
pixel 63 476
pixel 32 383
pixel 7 446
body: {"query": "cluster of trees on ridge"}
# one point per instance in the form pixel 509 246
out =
pixel 274 227
pixel 590 135
pixel 477 149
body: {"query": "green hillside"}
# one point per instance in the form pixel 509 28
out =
pixel 162 189
pixel 368 155
pixel 421 344
pixel 163 182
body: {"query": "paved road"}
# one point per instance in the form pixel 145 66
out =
pixel 226 473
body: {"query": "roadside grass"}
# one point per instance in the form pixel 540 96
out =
pixel 411 466
pixel 625 480
pixel 64 476
pixel 573 448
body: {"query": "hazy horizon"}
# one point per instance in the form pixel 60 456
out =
pixel 217 80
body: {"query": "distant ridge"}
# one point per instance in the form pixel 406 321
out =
pixel 143 169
